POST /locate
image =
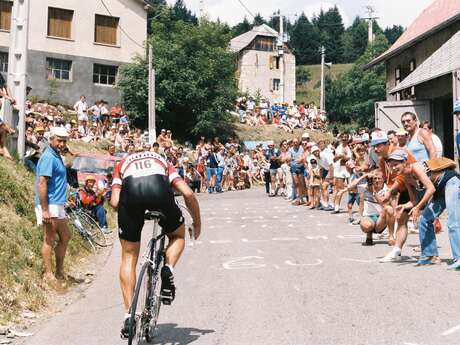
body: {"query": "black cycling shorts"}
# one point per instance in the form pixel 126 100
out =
pixel 139 194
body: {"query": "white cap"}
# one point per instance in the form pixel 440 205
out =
pixel 305 135
pixel 59 132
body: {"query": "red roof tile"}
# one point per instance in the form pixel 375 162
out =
pixel 439 12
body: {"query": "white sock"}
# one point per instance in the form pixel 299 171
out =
pixel 396 251
pixel 127 316
pixel 336 208
pixel 170 267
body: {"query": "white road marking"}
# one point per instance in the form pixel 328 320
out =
pixel 260 251
pixel 211 227
pixel 243 225
pixel 220 241
pixel 264 226
pixel 322 237
pixel 451 330
pixel 410 343
pixel 290 263
pixel 285 239
pixel 243 263
pixel 349 236
pixel 275 217
pixel 276 266
pixel 290 225
pixel 296 288
pixel 245 240
pixel 359 260
pixel 228 221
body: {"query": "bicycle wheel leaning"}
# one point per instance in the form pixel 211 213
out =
pixel 76 223
pixel 93 229
pixel 139 307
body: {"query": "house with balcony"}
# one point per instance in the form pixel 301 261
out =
pixel 423 72
pixel 266 66
pixel 76 47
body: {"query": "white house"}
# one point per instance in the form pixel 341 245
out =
pixel 261 66
pixel 77 46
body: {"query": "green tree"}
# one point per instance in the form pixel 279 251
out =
pixel 351 97
pixel 331 29
pixel 305 41
pixel 258 20
pixel 241 27
pixel 392 34
pixel 181 12
pixel 195 78
pixel 302 76
pixel 355 40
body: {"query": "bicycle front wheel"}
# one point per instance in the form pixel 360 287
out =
pixel 140 307
pixel 93 229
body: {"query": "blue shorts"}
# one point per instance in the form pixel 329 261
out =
pixel 352 198
pixel 297 169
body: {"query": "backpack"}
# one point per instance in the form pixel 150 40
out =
pixel 439 164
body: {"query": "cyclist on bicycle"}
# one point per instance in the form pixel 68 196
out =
pixel 142 181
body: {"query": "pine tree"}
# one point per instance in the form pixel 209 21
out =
pixel 331 28
pixel 181 12
pixel 305 41
pixel 258 20
pixel 355 40
pixel 241 27
pixel 392 34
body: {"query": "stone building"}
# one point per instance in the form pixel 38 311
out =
pixel 423 72
pixel 261 66
pixel 76 47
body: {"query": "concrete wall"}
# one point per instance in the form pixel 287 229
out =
pixel 255 74
pixel 68 92
pixel 420 52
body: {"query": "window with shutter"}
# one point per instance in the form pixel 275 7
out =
pixel 60 22
pixel 58 69
pixel 5 15
pixel 105 29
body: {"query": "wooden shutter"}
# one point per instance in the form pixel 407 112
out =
pixel 5 15
pixel 270 84
pixel 105 29
pixel 270 61
pixel 60 22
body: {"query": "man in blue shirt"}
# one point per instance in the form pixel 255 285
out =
pixel 298 168
pixel 50 198
pixel 457 139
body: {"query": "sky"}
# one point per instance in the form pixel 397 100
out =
pixel 390 12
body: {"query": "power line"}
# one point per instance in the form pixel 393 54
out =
pixel 247 10
pixel 123 30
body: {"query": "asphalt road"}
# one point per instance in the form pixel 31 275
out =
pixel 265 272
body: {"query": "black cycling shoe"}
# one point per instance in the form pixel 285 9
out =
pixel 168 289
pixel 124 333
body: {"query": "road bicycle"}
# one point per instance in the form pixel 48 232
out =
pixel 84 223
pixel 146 303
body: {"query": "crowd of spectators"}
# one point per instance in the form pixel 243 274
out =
pixel 398 182
pixel 281 115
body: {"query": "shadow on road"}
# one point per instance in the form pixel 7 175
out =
pixel 169 333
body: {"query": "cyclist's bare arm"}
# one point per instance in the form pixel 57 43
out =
pixel 192 205
pixel 115 198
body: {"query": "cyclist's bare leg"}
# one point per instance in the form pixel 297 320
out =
pixel 129 257
pixel 61 248
pixel 175 246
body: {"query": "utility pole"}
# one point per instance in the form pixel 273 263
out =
pixel 370 20
pixel 280 48
pixel 151 99
pixel 323 56
pixel 17 69
pixel 201 11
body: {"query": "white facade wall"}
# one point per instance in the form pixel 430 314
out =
pixel 255 73
pixel 132 16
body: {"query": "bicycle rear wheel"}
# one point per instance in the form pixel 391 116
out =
pixel 93 229
pixel 155 300
pixel 140 307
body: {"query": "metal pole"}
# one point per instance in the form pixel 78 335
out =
pixel 282 69
pixel 371 30
pixel 323 52
pixel 151 99
pixel 17 67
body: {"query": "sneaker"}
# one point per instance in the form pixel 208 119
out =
pixel 125 329
pixel 335 212
pixel 455 266
pixel 168 289
pixel 106 230
pixel 351 220
pixel 328 208
pixel 391 257
pixel 320 207
pixel 356 222
pixel 368 242
pixel 428 261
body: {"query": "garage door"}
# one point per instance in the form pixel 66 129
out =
pixel 388 114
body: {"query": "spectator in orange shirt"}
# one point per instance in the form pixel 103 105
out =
pixel 93 201
pixel 116 111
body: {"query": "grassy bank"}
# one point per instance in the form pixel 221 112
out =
pixel 310 91
pixel 21 286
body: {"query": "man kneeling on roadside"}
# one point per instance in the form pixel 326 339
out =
pixel 377 214
pixel 93 201
pixel 50 198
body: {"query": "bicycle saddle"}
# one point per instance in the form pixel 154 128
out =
pixel 151 215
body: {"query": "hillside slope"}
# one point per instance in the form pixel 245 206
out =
pixel 310 91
